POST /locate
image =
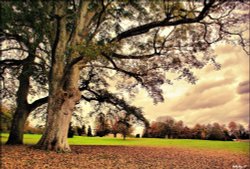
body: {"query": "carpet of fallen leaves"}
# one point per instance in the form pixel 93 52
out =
pixel 119 157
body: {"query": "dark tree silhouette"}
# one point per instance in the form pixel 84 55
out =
pixel 89 133
pixel 71 131
pixel 101 125
pixel 81 130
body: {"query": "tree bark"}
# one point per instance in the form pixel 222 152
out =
pixel 17 127
pixel 64 76
pixel 61 105
pixel 22 110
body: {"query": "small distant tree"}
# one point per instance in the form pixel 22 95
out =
pixel 247 135
pixel 242 131
pixel 186 133
pixel 122 121
pixel 158 130
pixel 165 126
pixel 101 126
pixel 177 129
pixel 81 130
pixel 124 128
pixel 89 133
pixel 199 132
pixel 146 132
pixel 217 132
pixel 71 131
pixel 169 126
pixel 114 127
pixel 233 130
pixel 226 134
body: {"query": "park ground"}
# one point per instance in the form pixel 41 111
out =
pixel 98 153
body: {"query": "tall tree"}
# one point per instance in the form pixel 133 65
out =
pixel 199 131
pixel 81 130
pixel 124 128
pixel 217 132
pixel 158 130
pixel 233 129
pixel 21 62
pixel 114 126
pixel 101 125
pixel 89 133
pixel 91 41
pixel 177 129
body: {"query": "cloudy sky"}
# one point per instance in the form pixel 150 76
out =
pixel 219 96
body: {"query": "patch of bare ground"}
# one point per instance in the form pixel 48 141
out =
pixel 119 157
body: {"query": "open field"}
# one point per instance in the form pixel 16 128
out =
pixel 237 147
pixel 132 153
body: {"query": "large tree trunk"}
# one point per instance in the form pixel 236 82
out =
pixel 22 109
pixel 61 106
pixel 17 127
pixel 64 76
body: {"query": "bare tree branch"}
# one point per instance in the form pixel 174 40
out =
pixel 38 103
pixel 146 27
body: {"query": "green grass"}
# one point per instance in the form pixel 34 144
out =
pixel 238 147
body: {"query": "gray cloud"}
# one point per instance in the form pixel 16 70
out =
pixel 243 87
pixel 205 86
pixel 195 100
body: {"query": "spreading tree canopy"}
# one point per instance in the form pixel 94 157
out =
pixel 87 44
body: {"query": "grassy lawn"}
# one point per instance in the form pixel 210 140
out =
pixel 238 147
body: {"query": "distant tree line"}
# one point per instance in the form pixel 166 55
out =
pixel 103 126
pixel 169 128
pixel 163 127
